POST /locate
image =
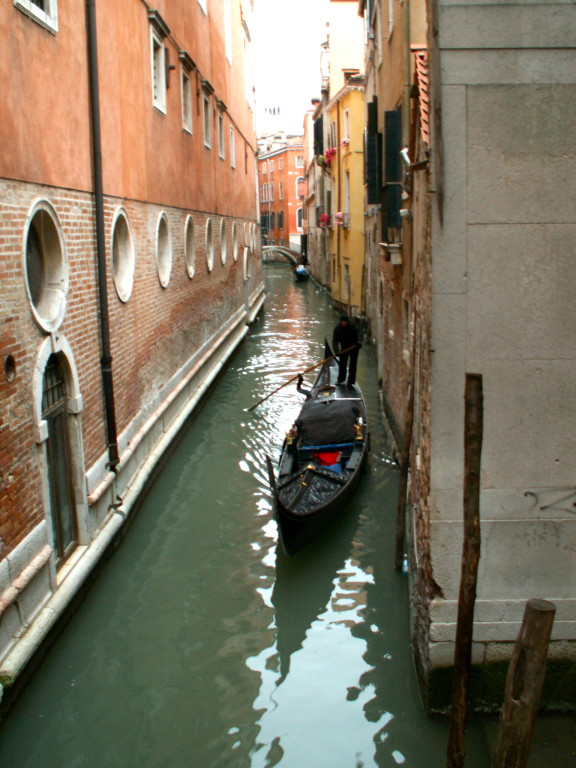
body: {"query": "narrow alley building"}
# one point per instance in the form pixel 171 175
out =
pixel 130 260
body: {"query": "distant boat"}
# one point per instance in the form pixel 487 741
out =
pixel 301 273
pixel 322 459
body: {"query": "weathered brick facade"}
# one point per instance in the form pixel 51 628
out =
pixel 178 313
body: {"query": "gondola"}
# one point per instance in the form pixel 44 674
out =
pixel 301 273
pixel 322 458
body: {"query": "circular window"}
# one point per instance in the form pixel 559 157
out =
pixel 46 269
pixel 223 243
pixel 235 241
pixel 209 246
pixel 190 246
pixel 122 257
pixel 163 251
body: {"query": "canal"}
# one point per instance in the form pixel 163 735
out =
pixel 200 644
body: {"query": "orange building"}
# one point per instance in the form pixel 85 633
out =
pixel 282 187
pixel 129 254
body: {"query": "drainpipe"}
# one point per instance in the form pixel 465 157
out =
pixel 106 359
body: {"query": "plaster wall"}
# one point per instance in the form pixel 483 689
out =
pixel 502 280
pixel 346 36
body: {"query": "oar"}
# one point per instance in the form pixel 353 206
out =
pixel 326 359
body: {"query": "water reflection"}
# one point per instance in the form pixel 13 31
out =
pixel 201 643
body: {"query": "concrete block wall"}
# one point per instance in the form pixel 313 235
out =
pixel 502 282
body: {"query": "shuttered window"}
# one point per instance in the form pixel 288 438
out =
pixel 372 155
pixel 319 136
pixel 392 199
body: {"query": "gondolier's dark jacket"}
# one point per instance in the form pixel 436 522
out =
pixel 344 337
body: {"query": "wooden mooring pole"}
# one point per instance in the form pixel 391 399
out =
pixel 524 685
pixel 473 429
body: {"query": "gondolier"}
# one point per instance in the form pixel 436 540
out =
pixel 321 460
pixel 347 334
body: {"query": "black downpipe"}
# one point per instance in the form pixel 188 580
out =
pixel 106 359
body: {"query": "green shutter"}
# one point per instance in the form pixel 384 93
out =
pixel 392 195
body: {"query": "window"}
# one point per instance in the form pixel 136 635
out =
pixel 235 241
pixel 271 185
pixel 280 163
pixel 272 223
pixel 223 243
pixel 206 120
pixel 271 164
pixel 280 219
pixel 58 453
pixel 122 256
pixel 158 71
pixel 299 218
pixel 209 243
pixel 45 12
pixel 299 161
pixel 46 267
pixel 281 190
pixel 190 247
pixel 163 251
pixel 232 147
pixel 300 187
pixel 346 123
pixel 221 146
pixel 186 101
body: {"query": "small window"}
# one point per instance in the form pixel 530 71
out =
pixel 235 244
pixel 158 71
pixel 281 190
pixel 209 246
pixel 46 267
pixel 190 247
pixel 299 218
pixel 347 124
pixel 163 251
pixel 221 145
pixel 272 190
pixel 186 101
pixel 207 122
pixel 271 165
pixel 280 219
pixel 122 257
pixel 45 12
pixel 299 161
pixel 232 147
pixel 223 243
pixel 280 163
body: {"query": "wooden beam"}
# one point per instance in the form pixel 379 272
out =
pixel 473 431
pixel 524 685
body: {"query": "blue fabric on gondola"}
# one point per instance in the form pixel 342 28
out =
pixel 331 447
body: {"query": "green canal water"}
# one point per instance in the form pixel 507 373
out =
pixel 200 645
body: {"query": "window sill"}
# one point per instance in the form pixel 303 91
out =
pixel 158 108
pixel 47 21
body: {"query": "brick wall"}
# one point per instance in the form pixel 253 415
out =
pixel 153 334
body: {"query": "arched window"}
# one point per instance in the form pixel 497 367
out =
pixel 46 267
pixel 223 243
pixel 190 247
pixel 55 414
pixel 209 246
pixel 163 251
pixel 122 256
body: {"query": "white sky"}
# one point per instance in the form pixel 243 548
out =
pixel 286 40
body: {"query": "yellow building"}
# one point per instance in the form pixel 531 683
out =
pixel 345 134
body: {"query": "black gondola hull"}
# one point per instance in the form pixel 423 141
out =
pixel 319 470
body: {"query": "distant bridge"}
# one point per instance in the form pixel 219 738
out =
pixel 292 256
